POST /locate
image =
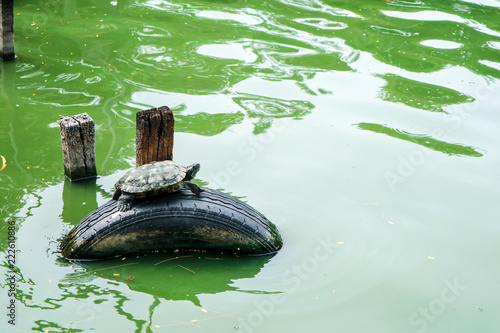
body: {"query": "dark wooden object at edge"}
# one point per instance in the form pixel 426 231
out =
pixel 78 145
pixel 7 29
pixel 154 135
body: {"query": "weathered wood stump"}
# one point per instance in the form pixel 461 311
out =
pixel 78 145
pixel 154 135
pixel 7 29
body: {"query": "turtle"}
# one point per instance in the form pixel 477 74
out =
pixel 152 179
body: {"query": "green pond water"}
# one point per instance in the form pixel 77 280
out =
pixel 367 131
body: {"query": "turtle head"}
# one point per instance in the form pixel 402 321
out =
pixel 192 170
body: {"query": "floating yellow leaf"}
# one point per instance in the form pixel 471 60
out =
pixel 432 258
pixel 204 310
pixel 340 242
pixel 4 162
pixel 157 326
pixel 195 320
pixel 390 222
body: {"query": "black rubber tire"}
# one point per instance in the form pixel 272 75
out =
pixel 209 221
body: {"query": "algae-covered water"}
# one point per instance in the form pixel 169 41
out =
pixel 367 131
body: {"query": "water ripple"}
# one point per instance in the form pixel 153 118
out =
pixel 425 15
pixel 441 44
pixel 423 140
pixel 322 23
pixel 241 17
pixel 320 6
pixel 228 51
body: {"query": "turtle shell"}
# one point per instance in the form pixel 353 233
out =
pixel 152 178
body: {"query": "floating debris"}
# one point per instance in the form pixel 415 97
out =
pixel 187 269
pixel 4 162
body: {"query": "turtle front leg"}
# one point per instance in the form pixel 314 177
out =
pixel 193 188
pixel 125 202
pixel 117 194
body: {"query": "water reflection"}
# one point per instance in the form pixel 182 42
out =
pixel 79 198
pixel 423 140
pixel 207 124
pixel 267 109
pixel 420 95
pixel 179 276
pixel 183 276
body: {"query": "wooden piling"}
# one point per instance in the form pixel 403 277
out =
pixel 154 135
pixel 78 145
pixel 7 29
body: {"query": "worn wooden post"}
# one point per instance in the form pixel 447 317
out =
pixel 7 29
pixel 77 135
pixel 154 135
